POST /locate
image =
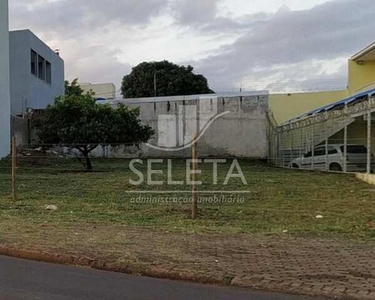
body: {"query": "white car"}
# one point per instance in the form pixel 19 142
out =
pixel 334 160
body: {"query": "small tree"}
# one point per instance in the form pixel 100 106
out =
pixel 73 88
pixel 77 122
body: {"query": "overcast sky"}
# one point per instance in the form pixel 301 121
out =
pixel 280 45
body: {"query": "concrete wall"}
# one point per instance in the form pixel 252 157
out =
pixel 27 90
pixel 287 106
pixel 4 81
pixel 101 90
pixel 240 133
pixel 369 178
pixel 20 129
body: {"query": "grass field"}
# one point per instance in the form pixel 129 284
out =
pixel 280 201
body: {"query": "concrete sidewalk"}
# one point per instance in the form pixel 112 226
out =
pixel 317 267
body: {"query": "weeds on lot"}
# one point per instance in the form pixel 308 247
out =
pixel 280 201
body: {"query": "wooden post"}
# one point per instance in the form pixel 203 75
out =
pixel 14 168
pixel 194 156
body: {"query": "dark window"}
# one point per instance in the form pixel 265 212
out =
pixel 354 149
pixel 309 154
pixel 41 68
pixel 332 151
pixel 33 59
pixel 48 72
pixel 319 152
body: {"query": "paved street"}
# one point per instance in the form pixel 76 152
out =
pixel 22 279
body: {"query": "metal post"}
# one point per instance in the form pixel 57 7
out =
pixel 291 149
pixel 345 141
pixel 369 139
pixel 155 88
pixel 14 168
pixel 283 148
pixel 269 136
pixel 277 149
pixel 313 148
pixel 326 136
pixel 301 149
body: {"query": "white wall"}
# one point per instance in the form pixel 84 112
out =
pixel 26 89
pixel 4 81
pixel 242 132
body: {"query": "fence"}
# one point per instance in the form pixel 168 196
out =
pixel 316 139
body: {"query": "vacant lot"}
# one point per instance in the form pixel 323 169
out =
pixel 279 200
pixel 270 240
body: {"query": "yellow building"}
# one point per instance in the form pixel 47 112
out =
pixel 287 106
pixel 103 91
pixel 362 71
pixel 361 77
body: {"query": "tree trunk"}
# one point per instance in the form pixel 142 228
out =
pixel 88 164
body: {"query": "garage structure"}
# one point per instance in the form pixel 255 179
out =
pixel 309 140
pixel 339 136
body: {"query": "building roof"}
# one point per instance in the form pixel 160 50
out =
pixel 366 54
pixel 190 97
pixel 334 106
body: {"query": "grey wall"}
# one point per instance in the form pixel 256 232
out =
pixel 4 81
pixel 27 90
pixel 240 133
pixel 20 130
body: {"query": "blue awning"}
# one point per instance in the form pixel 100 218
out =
pixel 332 106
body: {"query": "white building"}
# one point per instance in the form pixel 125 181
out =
pixel 4 81
pixel 36 73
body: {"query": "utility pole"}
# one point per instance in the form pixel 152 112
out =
pixel 155 88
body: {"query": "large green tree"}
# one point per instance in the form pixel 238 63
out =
pixel 77 122
pixel 150 79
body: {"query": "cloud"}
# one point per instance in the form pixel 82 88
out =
pixel 96 64
pixel 80 27
pixel 325 32
pixel 288 49
pixel 202 16
pixel 69 17
pixel 189 12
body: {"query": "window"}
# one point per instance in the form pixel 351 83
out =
pixel 48 72
pixel 41 68
pixel 332 150
pixel 319 151
pixel 357 149
pixel 33 60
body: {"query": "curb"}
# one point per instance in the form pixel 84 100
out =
pixel 153 272
pixel 81 261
